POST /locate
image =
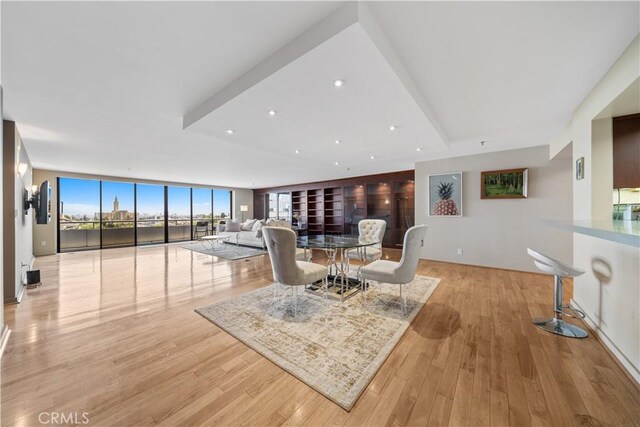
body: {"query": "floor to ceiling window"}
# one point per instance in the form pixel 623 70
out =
pixel 179 210
pixel 79 214
pixel 150 214
pixel 221 205
pixel 118 214
pixel 97 214
pixel 202 209
pixel 279 206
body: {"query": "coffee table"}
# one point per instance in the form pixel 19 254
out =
pixel 212 241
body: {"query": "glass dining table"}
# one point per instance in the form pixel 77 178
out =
pixel 341 285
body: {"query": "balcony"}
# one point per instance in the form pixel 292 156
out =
pixel 79 235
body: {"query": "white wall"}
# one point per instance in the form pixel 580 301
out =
pixel 45 237
pixel 611 308
pixel 609 294
pixel 496 233
pixel 17 227
pixel 601 168
pixel 24 223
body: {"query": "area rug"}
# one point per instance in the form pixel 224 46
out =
pixel 225 250
pixel 334 347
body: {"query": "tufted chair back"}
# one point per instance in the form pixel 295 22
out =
pixel 372 229
pixel 413 242
pixel 281 244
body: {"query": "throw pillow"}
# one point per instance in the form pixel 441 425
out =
pixel 257 228
pixel 248 224
pixel 258 225
pixel 233 226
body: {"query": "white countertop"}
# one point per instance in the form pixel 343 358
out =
pixel 625 232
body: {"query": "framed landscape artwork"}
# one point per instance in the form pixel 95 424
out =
pixel 504 184
pixel 445 194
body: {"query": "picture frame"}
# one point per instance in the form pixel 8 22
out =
pixel 504 184
pixel 580 169
pixel 445 194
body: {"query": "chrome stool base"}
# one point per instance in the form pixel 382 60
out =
pixel 560 327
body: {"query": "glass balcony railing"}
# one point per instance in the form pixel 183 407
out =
pixel 78 235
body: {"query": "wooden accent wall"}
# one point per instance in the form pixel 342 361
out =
pixel 626 151
pixel 336 206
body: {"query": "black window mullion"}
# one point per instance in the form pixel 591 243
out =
pixel 100 218
pixel 58 215
pixel 166 214
pixel 135 214
pixel 191 209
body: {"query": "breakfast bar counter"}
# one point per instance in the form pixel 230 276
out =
pixel 618 231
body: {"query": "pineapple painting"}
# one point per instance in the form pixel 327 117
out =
pixel 445 195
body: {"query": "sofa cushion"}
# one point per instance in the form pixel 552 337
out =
pixel 233 226
pixel 278 223
pixel 248 224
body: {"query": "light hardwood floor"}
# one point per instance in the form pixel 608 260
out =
pixel 113 333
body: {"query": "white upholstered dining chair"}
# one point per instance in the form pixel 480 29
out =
pixel 372 230
pixel 281 244
pixel 399 273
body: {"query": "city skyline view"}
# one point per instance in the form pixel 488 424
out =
pixel 80 199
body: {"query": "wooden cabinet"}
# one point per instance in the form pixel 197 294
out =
pixel 404 205
pixel 380 206
pixel 354 208
pixel 336 207
pixel 626 151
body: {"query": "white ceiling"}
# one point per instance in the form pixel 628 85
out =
pixel 102 87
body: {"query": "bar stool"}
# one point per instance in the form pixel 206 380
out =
pixel 556 324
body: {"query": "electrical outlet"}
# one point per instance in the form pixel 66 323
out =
pixel 459 251
pixel 43 243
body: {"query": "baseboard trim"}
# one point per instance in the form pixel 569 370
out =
pixel 538 273
pixel 621 360
pixel 17 298
pixel 4 339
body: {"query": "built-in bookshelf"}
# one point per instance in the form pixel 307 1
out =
pixel 333 209
pixel 299 205
pixel 337 206
pixel 315 212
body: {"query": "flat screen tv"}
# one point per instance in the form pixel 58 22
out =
pixel 43 211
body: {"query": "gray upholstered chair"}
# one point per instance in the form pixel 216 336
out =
pixel 369 229
pixel 556 324
pixel 281 244
pixel 301 254
pixel 399 273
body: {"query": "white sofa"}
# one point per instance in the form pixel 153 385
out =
pixel 253 235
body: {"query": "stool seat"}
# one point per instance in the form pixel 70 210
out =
pixel 553 266
pixel 556 324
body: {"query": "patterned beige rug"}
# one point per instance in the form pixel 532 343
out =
pixel 334 347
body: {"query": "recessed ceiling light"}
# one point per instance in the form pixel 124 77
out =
pixel 336 163
pixel 418 149
pixel 297 151
pixel 338 83
pixel 373 157
pixel 337 141
pixel 272 113
pixel 392 128
pixel 229 131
